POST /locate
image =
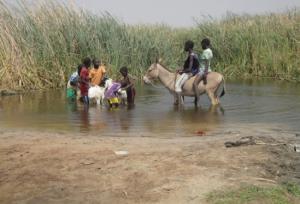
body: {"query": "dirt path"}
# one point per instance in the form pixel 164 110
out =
pixel 63 168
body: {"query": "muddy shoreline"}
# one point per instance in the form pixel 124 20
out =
pixel 44 167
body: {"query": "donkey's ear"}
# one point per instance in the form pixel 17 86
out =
pixel 156 60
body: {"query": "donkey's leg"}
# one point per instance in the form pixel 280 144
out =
pixel 196 99
pixel 212 98
pixel 179 98
pixel 216 97
pixel 175 99
pixel 196 88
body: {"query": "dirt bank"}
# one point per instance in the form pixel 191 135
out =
pixel 37 167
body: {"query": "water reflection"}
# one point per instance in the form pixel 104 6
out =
pixel 126 119
pixel 184 120
pixel 84 119
pixel 72 106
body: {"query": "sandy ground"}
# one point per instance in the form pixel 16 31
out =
pixel 41 167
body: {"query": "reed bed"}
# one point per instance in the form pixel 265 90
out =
pixel 256 46
pixel 40 46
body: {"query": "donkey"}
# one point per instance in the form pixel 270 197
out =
pixel 167 78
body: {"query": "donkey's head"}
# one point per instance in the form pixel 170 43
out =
pixel 152 72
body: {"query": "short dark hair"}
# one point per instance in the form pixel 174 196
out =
pixel 72 83
pixel 87 62
pixel 189 44
pixel 96 63
pixel 205 43
pixel 79 67
pixel 124 69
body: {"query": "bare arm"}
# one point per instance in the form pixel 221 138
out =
pixel 129 84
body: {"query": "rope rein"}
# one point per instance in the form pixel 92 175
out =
pixel 158 87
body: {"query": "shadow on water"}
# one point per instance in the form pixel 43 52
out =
pixel 246 102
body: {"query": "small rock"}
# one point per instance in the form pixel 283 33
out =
pixel 200 133
pixel 87 162
pixel 248 140
pixel 122 153
pixel 297 134
pixel 7 92
pixel 297 148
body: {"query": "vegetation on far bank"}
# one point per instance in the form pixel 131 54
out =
pixel 41 45
pixel 288 193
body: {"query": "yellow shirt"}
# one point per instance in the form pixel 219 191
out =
pixel 96 75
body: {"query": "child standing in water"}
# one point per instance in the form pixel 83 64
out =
pixel 190 67
pixel 97 73
pixel 127 84
pixel 111 90
pixel 72 85
pixel 84 80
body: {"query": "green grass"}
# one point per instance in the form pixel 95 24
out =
pixel 40 46
pixel 284 194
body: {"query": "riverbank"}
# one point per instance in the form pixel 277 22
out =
pixel 41 167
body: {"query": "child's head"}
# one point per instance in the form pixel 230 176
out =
pixel 108 82
pixel 205 43
pixel 124 71
pixel 87 62
pixel 72 83
pixel 96 63
pixel 79 67
pixel 103 81
pixel 189 45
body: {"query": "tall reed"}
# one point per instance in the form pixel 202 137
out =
pixel 263 46
pixel 40 46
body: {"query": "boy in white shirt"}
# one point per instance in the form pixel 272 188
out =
pixel 205 59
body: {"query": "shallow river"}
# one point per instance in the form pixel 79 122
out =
pixel 262 103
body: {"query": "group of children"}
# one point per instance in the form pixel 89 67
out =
pixel 84 78
pixel 195 66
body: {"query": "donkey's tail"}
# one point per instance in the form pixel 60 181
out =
pixel 224 87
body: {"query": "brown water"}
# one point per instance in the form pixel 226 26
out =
pixel 246 103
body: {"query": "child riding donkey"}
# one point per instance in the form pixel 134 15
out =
pixel 122 91
pixel 205 59
pixel 190 68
